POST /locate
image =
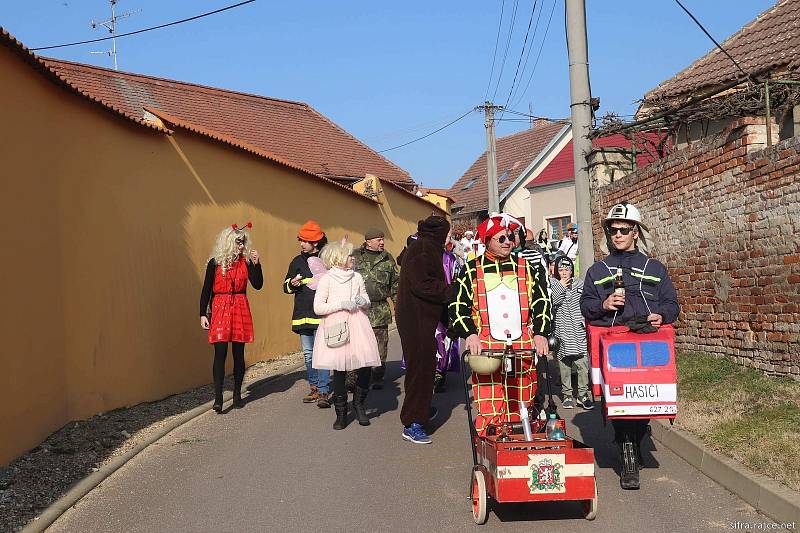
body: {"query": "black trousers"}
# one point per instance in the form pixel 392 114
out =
pixel 633 429
pixel 340 376
pixel 220 354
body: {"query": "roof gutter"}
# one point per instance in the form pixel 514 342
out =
pixel 539 158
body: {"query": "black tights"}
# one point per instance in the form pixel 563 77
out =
pixel 339 377
pixel 220 353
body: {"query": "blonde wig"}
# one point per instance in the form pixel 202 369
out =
pixel 225 250
pixel 335 254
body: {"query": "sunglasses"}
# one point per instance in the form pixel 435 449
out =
pixel 504 238
pixel 241 242
pixel 625 231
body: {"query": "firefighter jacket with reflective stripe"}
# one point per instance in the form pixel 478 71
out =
pixel 304 320
pixel 648 289
pixel 469 310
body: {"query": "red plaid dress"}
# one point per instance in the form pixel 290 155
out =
pixel 231 320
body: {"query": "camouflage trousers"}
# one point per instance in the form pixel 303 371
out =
pixel 378 372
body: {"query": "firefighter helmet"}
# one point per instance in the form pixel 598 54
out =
pixel 624 211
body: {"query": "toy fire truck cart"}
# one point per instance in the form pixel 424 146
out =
pixel 635 376
pixel 508 467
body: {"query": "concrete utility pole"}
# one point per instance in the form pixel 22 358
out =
pixel 491 156
pixel 581 107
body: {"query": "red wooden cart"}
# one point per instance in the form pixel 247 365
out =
pixel 509 468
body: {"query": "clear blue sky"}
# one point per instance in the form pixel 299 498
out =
pixel 392 71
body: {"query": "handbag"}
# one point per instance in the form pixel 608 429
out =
pixel 337 335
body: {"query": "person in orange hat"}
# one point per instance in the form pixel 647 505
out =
pixel 298 282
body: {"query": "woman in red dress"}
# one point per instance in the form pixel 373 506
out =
pixel 224 310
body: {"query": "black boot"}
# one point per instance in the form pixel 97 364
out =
pixel 340 405
pixel 378 375
pixel 359 396
pixel 629 476
pixel 238 403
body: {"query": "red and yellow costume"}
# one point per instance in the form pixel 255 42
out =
pixel 501 300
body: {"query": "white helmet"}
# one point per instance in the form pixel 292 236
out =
pixel 624 211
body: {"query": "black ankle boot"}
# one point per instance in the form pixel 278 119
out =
pixel 238 403
pixel 359 396
pixel 629 476
pixel 340 405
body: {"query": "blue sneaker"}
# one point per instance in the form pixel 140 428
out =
pixel 416 434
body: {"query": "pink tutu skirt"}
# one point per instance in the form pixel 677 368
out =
pixel 360 351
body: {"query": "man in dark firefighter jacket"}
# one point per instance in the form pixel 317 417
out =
pixel 304 320
pixel 649 296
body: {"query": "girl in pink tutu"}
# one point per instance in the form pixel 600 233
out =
pixel 344 340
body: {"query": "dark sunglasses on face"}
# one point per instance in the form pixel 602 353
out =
pixel 504 238
pixel 241 242
pixel 625 231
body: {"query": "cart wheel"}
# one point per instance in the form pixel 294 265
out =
pixel 480 503
pixel 590 506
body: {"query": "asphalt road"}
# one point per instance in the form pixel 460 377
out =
pixel 277 465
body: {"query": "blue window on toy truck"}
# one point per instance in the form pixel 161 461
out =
pixel 622 355
pixel 654 353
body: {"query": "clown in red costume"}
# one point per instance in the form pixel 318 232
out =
pixel 501 298
pixel 224 310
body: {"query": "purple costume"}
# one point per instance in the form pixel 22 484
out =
pixel 447 350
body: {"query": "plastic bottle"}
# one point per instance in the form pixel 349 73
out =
pixel 526 423
pixel 553 431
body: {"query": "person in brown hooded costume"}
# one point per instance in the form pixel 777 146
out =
pixel 422 300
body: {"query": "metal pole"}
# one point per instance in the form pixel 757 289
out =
pixel 491 160
pixel 581 107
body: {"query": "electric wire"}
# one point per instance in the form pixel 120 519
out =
pixel 494 56
pixel 746 75
pixel 521 55
pixel 508 44
pixel 427 135
pixel 145 29
pixel 538 55
pixel 528 53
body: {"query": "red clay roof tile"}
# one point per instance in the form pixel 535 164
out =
pixel 771 40
pixel 514 154
pixel 292 131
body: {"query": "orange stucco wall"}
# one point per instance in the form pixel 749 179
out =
pixel 106 229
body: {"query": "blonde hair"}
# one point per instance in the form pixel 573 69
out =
pixel 225 249
pixel 336 253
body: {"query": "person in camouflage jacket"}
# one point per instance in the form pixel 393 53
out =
pixel 381 276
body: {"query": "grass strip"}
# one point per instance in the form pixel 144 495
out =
pixel 743 413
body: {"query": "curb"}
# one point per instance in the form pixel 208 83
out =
pixel 766 495
pixel 87 484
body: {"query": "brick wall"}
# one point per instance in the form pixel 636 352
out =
pixel 725 219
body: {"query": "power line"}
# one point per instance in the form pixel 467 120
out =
pixel 427 135
pixel 508 43
pixel 530 48
pixel 538 55
pixel 146 29
pixel 521 54
pixel 494 56
pixel 746 75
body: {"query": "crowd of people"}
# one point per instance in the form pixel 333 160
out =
pixel 498 287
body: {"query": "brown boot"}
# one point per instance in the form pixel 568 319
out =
pixel 312 396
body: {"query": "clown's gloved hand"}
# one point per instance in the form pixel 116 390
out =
pixel 349 305
pixel 360 301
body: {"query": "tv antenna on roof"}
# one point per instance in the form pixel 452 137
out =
pixel 111 26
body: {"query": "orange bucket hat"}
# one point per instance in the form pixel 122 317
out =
pixel 310 232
